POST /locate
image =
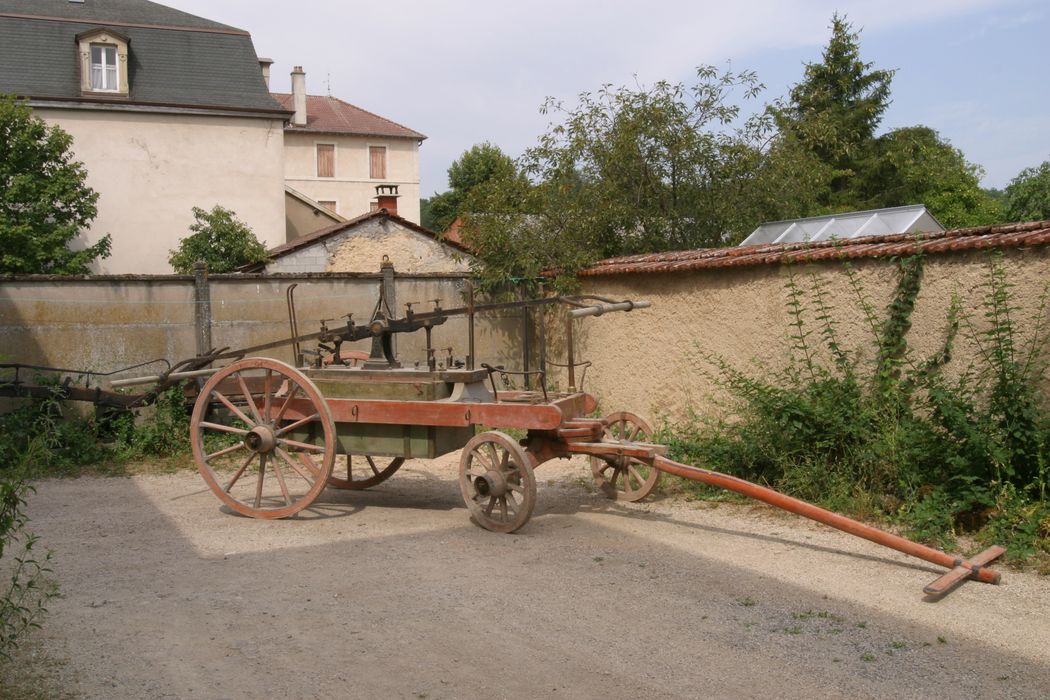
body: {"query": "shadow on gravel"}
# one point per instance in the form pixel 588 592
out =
pixel 361 607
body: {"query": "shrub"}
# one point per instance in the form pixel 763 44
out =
pixel 940 453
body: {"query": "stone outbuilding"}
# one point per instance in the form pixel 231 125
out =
pixel 361 243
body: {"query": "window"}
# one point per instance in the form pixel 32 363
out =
pixel 103 58
pixel 327 204
pixel 377 162
pixel 326 160
pixel 104 68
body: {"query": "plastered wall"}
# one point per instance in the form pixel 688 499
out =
pixel 150 170
pixel 658 361
pixel 106 323
pixel 352 189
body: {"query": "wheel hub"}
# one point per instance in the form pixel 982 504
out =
pixel 260 439
pixel 492 483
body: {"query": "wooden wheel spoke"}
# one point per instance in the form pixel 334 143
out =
pixel 224 451
pixel 503 507
pixel 284 442
pixel 287 402
pixel 297 468
pixel 267 394
pixel 259 483
pixel 372 464
pixel 638 476
pixel 516 488
pixel 634 433
pixel 223 428
pixel 236 411
pixel 280 482
pixel 490 506
pixel 297 424
pixel 248 398
pixel 237 475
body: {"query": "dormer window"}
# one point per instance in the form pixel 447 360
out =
pixel 103 62
pixel 104 68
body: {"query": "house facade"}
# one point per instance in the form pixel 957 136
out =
pixel 336 153
pixel 167 110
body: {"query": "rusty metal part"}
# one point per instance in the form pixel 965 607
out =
pixel 238 432
pixel 38 387
pixel 293 323
pixel 497 483
pixel 622 477
pixel 371 471
pixel 970 568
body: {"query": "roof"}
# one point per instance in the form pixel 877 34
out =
pixel 175 59
pixel 330 115
pixel 912 218
pixel 335 229
pixel 978 238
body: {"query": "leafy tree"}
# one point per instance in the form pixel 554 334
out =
pixel 627 169
pixel 914 164
pixel 476 166
pixel 219 239
pixel 838 105
pixel 1028 194
pixel 44 201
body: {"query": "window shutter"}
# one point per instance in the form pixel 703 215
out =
pixel 377 162
pixel 325 160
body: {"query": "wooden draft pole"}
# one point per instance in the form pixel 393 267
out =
pixel 961 569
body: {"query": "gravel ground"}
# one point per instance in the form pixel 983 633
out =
pixel 394 593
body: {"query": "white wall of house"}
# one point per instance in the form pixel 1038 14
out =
pixel 351 188
pixel 150 170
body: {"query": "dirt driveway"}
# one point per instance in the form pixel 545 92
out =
pixel 393 593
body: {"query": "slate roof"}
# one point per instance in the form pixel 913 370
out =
pixel 175 59
pixel 1034 233
pixel 330 115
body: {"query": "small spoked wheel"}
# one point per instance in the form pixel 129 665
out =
pixel 263 438
pixel 496 479
pixel 624 478
pixel 365 471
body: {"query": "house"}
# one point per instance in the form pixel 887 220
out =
pixel 361 244
pixel 167 111
pixel 337 153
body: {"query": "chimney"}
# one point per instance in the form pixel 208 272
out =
pixel 264 66
pixel 299 96
pixel 386 198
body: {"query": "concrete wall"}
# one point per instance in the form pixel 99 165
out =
pixel 352 189
pixel 106 323
pixel 656 361
pixel 151 169
pixel 361 249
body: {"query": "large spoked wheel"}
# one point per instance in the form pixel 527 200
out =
pixel 365 471
pixel 495 477
pixel 240 431
pixel 624 478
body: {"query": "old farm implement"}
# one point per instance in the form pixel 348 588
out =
pixel 269 437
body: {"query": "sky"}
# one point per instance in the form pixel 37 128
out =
pixel 465 72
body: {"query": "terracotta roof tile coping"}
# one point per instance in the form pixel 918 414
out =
pixel 976 238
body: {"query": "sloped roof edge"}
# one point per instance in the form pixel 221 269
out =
pixel 1031 233
pixel 334 229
